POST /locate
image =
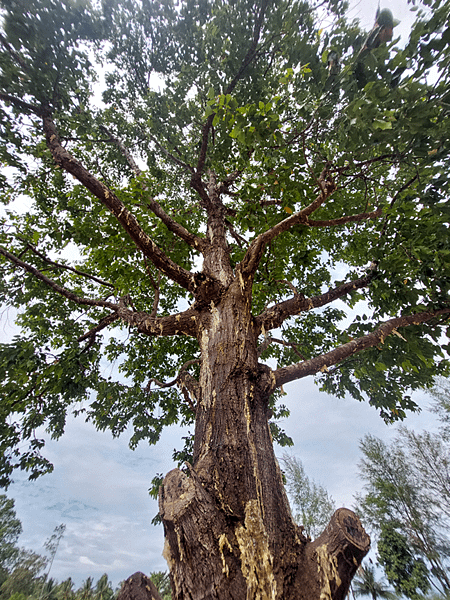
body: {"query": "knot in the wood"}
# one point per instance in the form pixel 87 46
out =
pixel 266 380
pixel 206 290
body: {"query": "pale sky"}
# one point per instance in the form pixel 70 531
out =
pixel 99 488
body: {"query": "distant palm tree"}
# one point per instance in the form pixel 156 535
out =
pixel 49 590
pixel 365 584
pixel 86 591
pixel 103 589
pixel 65 590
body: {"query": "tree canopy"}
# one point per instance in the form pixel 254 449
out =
pixel 10 529
pixel 337 195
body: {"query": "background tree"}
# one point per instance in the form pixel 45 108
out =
pixel 10 529
pixel 86 591
pixel 312 505
pixel 26 577
pixel 103 589
pixel 406 501
pixel 404 571
pixel 162 583
pixel 49 589
pixel 66 590
pixel 218 211
pixel 366 584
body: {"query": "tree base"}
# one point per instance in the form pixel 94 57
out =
pixel 214 557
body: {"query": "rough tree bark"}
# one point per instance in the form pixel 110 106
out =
pixel 138 587
pixel 229 530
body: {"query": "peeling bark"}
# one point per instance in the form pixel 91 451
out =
pixel 338 552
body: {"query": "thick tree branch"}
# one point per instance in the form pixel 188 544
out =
pixel 180 323
pixel 274 316
pixel 195 242
pixel 324 361
pixel 184 323
pixel 55 286
pixel 128 221
pixel 255 252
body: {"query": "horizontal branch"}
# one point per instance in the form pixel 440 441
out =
pixel 126 218
pixel 344 220
pixel 354 165
pixel 274 316
pixel 324 361
pixel 184 323
pixel 25 107
pixel 255 251
pixel 55 286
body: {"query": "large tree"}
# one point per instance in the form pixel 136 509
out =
pixel 252 171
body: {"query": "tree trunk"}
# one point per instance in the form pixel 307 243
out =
pixel 228 526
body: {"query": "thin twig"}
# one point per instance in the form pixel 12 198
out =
pixel 174 381
pixel 348 219
pixel 101 325
pixel 55 286
pixel 271 340
pixel 68 268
